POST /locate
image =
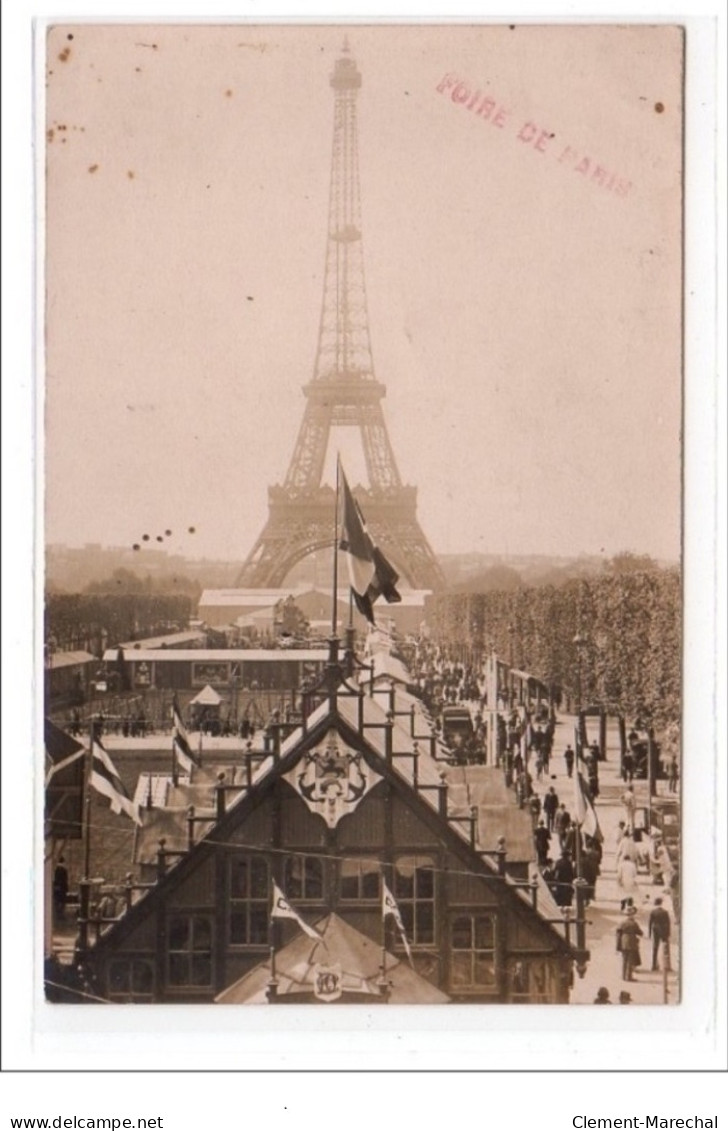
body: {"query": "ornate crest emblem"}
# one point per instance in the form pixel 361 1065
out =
pixel 327 982
pixel 332 779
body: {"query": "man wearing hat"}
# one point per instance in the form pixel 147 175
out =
pixel 629 934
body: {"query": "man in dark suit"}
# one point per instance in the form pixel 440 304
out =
pixel 658 929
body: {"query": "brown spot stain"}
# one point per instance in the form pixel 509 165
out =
pixel 659 107
pixel 50 134
pixel 228 93
pixel 92 168
pixel 130 174
pixel 65 54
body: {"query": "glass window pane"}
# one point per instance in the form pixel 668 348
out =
pixel 484 932
pixel 259 878
pixel 404 878
pixel 178 969
pixel 425 923
pixel 294 877
pixel 460 970
pixel 179 933
pixel 370 885
pixel 201 970
pixel 425 882
pixel 349 887
pixel 239 878
pixel 258 923
pixel 143 978
pixel 314 878
pixel 202 934
pixel 461 934
pixel 238 927
pixel 484 970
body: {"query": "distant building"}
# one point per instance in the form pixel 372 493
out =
pixel 225 606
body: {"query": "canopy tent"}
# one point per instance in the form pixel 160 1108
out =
pixel 208 697
pixel 356 961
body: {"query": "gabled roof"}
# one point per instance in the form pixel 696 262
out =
pixel 359 958
pixel 369 739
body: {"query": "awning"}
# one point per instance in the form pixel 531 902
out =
pixel 345 966
pixel 208 697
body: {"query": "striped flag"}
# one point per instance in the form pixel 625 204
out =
pixel 370 574
pixel 389 907
pixel 106 780
pixel 180 739
pixel 282 909
pixel 585 815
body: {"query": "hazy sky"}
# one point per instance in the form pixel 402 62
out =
pixel 524 307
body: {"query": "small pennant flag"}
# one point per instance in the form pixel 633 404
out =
pixel 106 780
pixel 389 907
pixel 180 739
pixel 282 910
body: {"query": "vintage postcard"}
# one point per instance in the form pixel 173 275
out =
pixel 363 517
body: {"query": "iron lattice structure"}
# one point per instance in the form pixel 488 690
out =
pixel 343 392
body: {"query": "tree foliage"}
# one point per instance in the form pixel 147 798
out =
pixel 91 622
pixel 629 622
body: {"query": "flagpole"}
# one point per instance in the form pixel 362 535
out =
pixel 84 884
pixel 334 610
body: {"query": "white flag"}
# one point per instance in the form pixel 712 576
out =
pixel 389 907
pixel 282 910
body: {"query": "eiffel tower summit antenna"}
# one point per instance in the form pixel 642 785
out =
pixel 343 392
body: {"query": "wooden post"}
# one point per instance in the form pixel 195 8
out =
pixel 220 796
pixel 622 743
pixel 603 735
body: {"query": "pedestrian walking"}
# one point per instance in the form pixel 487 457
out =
pixel 629 934
pixel 550 807
pixel 629 802
pixel 564 880
pixel 658 929
pixel 562 821
pixel 569 761
pixel 602 997
pixel 542 840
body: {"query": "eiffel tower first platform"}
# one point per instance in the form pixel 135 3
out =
pixel 343 391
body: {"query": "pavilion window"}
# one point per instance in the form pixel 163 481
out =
pixel 414 891
pixel 472 947
pixel 249 891
pixel 304 878
pixel 531 981
pixel 131 980
pixel 360 880
pixel 189 950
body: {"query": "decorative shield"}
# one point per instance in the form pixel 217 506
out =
pixel 332 779
pixel 327 982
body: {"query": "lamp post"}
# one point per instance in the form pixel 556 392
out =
pixel 578 642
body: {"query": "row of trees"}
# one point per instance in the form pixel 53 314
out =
pixel 91 622
pixel 627 628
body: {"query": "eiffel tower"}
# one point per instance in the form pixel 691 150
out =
pixel 343 391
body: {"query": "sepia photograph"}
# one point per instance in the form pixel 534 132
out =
pixel 363 521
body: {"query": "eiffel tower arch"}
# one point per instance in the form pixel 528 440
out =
pixel 343 392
